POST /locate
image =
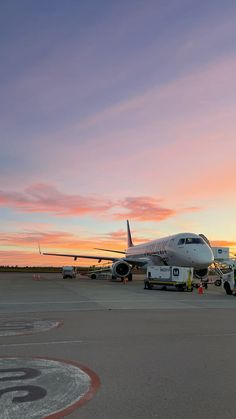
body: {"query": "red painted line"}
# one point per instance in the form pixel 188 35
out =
pixel 94 386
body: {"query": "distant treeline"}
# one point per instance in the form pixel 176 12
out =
pixel 44 269
pixel 37 268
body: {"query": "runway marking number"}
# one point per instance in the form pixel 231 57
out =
pixel 33 392
pixel 39 388
pixel 11 327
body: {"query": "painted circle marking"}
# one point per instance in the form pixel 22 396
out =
pixel 26 327
pixel 43 387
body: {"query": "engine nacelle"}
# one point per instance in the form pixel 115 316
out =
pixel 121 269
pixel 200 273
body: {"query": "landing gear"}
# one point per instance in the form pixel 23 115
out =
pixel 130 277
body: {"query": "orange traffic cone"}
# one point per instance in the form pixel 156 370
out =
pixel 200 289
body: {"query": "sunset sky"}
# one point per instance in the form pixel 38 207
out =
pixel 114 110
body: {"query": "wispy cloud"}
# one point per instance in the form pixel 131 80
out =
pixel 148 209
pixel 43 198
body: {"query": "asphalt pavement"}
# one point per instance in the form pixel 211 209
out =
pixel 99 349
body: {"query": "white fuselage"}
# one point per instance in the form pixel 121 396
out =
pixel 184 249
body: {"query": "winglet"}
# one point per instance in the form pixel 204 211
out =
pixel 39 249
pixel 129 238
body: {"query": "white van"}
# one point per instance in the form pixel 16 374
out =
pixel 68 272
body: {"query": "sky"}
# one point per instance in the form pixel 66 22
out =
pixel 112 111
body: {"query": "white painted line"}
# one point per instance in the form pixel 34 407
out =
pixel 123 300
pixel 217 335
pixel 43 343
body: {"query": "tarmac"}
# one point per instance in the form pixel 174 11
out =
pixel 87 349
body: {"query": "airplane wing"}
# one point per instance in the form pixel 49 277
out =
pixel 99 258
pixel 131 261
pixel 110 250
pixel 139 262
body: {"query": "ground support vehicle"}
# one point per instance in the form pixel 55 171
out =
pixel 68 272
pixel 179 277
pixel 229 281
pixel 100 275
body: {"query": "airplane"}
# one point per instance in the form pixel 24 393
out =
pixel 183 249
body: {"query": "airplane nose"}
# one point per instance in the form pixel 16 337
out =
pixel 205 258
pixel 208 259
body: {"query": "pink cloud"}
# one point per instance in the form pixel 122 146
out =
pixel 43 198
pixel 119 238
pixel 148 209
pixel 62 240
pixel 145 208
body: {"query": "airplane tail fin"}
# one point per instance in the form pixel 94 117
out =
pixel 129 238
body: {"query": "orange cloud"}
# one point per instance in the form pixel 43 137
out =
pixel 56 240
pixel 223 243
pixel 22 258
pixel 27 258
pixel 22 248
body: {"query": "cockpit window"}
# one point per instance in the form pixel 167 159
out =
pixel 194 240
pixel 191 240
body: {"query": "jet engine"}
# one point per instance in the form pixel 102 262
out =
pixel 200 273
pixel 120 269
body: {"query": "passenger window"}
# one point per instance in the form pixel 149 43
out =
pixel 181 242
